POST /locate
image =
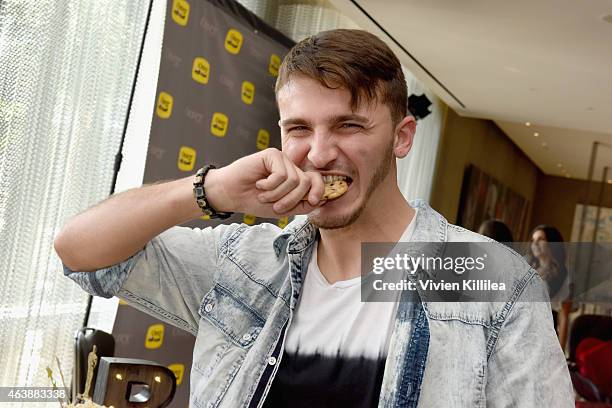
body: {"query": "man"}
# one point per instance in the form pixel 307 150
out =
pixel 277 313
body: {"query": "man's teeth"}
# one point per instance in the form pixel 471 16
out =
pixel 329 179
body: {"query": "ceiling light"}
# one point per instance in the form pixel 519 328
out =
pixel 544 144
pixel 568 175
pixel 527 124
pixel 536 134
pixel 559 165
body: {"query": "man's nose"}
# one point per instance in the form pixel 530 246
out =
pixel 323 149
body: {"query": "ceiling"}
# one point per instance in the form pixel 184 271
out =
pixel 546 62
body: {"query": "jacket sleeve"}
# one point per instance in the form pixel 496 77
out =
pixel 167 278
pixel 527 367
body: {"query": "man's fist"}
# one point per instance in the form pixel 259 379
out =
pixel 264 184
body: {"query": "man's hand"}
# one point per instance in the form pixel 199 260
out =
pixel 264 184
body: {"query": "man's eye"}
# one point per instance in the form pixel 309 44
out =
pixel 298 131
pixel 350 125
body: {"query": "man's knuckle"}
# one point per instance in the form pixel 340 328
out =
pixel 293 180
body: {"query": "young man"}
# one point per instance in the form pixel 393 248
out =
pixel 277 313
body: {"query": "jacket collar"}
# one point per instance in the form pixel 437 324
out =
pixel 430 226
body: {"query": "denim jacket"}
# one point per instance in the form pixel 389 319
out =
pixel 235 287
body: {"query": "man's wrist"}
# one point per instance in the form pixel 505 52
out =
pixel 215 192
pixel 185 206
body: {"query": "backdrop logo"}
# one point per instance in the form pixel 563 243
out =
pixel 226 81
pixel 283 221
pixel 180 12
pixel 233 41
pixel 178 370
pixel 263 139
pixel 123 338
pixel 187 158
pixel 219 124
pixel 248 92
pixel 201 70
pixel 249 219
pixel 155 336
pixel 164 105
pixel 195 116
pixel 156 152
pixel 207 26
pixel 174 59
pixel 274 64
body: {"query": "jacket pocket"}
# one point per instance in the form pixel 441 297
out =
pixel 228 328
pixel 231 316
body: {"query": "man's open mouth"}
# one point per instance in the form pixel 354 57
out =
pixel 336 177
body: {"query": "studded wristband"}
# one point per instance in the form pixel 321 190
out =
pixel 200 195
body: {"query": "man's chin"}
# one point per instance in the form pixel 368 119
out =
pixel 321 220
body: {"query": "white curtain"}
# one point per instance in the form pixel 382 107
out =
pixel 66 73
pixel 298 19
pixel 416 171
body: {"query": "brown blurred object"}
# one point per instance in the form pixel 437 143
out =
pixel 563 327
pixel 126 383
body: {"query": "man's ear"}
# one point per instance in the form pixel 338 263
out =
pixel 404 136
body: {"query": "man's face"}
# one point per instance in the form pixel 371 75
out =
pixel 321 133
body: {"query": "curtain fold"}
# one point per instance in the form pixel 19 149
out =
pixel 67 71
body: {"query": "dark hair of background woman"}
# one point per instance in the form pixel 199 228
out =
pixel 558 252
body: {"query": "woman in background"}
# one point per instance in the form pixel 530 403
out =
pixel 548 260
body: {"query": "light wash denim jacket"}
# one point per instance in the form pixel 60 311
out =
pixel 235 287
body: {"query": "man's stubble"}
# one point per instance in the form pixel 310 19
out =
pixel 380 173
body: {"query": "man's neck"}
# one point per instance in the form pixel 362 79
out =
pixel 384 219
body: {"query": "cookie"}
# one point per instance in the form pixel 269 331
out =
pixel 333 189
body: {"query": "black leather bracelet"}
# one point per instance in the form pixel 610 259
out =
pixel 200 195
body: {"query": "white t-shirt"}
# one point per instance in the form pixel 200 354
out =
pixel 336 346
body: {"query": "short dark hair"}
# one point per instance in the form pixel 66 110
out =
pixel 353 59
pixel 497 230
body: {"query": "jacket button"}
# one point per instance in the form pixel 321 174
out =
pixel 208 308
pixel 272 360
pixel 247 337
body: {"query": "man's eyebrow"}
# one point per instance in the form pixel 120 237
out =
pixel 348 117
pixel 293 121
pixel 332 120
